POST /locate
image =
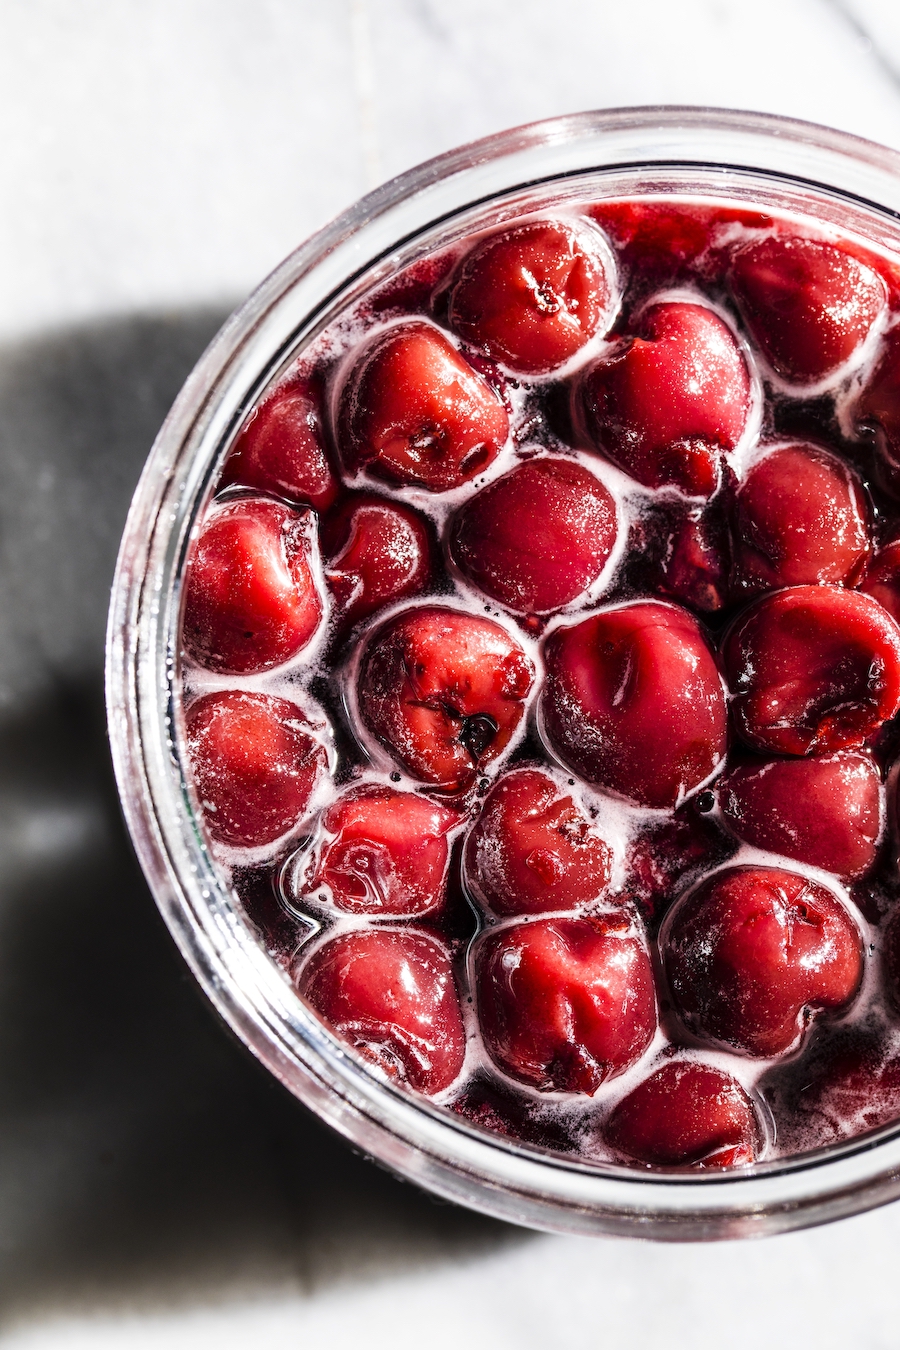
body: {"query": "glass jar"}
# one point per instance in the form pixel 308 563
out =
pixel 746 158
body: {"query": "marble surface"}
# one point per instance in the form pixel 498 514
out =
pixel 156 1187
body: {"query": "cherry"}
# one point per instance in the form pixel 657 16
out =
pixel 812 669
pixel 878 409
pixel 537 538
pixel 377 552
pixel 660 241
pixel 444 692
pixel 383 852
pixel 666 853
pixel 565 1003
pixel 668 402
pixel 255 762
pixel 809 305
pixel 413 410
pixel 694 563
pixel 391 995
pixel 633 702
pixel 753 952
pixel 533 850
pixel 686 1114
pixel 533 295
pixel 825 811
pixel 251 596
pixel 280 449
pixel 881 579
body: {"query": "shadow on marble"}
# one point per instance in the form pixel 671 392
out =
pixel 145 1157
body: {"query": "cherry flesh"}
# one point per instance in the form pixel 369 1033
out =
pixel 812 669
pixel 686 1114
pixel 414 411
pixel 532 296
pixel 443 692
pixel 753 952
pixel 633 702
pixel 377 552
pixel 537 538
pixel 565 1003
pixel 391 995
pixel 281 449
pixel 532 850
pixel 809 305
pixel 801 518
pixel 881 579
pixel 255 764
pixel 670 401
pixel 825 811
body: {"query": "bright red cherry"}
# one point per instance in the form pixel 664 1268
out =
pixel 252 601
pixel 667 403
pixel 812 669
pixel 391 995
pixel 633 702
pixel 383 852
pixel 255 762
pixel 377 552
pixel 537 538
pixel 281 449
pixel 801 518
pixel 413 410
pixel 809 305
pixel 444 692
pixel 753 952
pixel 686 1114
pixel 532 850
pixel 533 295
pixel 881 579
pixel 565 1004
pixel 826 811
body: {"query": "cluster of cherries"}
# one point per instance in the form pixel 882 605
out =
pixel 541 666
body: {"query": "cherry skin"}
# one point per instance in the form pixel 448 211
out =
pixel 812 669
pixel 808 305
pixel 532 296
pixel 532 850
pixel 390 994
pixel 255 763
pixel 633 702
pixel 251 597
pixel 281 449
pixel 694 567
pixel 826 811
pixel 753 952
pixel 383 852
pixel 877 410
pixel 686 1114
pixel 667 403
pixel 377 552
pixel 443 692
pixel 881 579
pixel 567 1003
pixel 801 518
pixel 537 538
pixel 413 410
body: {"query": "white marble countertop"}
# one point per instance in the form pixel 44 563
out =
pixel 156 159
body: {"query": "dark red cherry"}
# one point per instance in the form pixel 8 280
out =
pixel 533 850
pixel 377 552
pixel 694 562
pixel 444 692
pixel 413 410
pixel 666 853
pixel 801 518
pixel 537 538
pixel 686 1114
pixel 251 597
pixel 391 995
pixel 881 579
pixel 533 295
pixel 809 305
pixel 255 762
pixel 383 852
pixel 812 669
pixel 825 811
pixel 667 403
pixel 281 449
pixel 753 952
pixel 633 702
pixel 878 409
pixel 565 1004
pixel 660 242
